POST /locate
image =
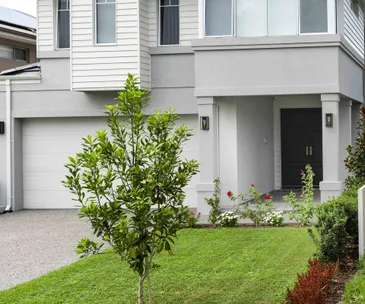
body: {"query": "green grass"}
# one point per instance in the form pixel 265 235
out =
pixel 355 289
pixel 209 266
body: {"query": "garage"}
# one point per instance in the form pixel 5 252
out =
pixel 47 143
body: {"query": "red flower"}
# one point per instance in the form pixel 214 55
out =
pixel 229 193
pixel 252 185
pixel 267 197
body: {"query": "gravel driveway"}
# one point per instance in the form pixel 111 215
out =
pixel 35 242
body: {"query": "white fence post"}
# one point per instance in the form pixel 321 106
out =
pixel 361 209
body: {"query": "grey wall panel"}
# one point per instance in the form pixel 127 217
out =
pixel 267 71
pixel 18 165
pixel 350 77
pixel 172 70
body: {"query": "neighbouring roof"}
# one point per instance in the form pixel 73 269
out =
pixel 16 18
pixel 33 69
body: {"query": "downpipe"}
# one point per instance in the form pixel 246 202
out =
pixel 9 150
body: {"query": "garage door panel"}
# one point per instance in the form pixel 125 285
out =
pixel 47 144
pixel 46 199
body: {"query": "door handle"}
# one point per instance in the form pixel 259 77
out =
pixel 311 151
pixel 306 150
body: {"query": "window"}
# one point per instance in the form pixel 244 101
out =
pixel 313 16
pixel 254 18
pixel 169 22
pixel 6 52
pixel 218 17
pixel 279 23
pixel 355 7
pixel 63 24
pixel 105 21
pixel 13 53
pixel 20 54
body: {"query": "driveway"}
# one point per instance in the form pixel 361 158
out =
pixel 35 242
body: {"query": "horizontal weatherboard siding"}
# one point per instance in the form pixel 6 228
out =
pixel 103 67
pixel 354 27
pixel 45 20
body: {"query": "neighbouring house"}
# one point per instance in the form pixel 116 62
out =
pixel 17 39
pixel 268 86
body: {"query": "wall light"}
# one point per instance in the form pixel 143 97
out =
pixel 204 123
pixel 329 120
pixel 2 127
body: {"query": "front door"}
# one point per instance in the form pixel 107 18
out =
pixel 301 144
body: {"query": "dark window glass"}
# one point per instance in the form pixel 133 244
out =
pixel 169 22
pixel 313 16
pixel 20 54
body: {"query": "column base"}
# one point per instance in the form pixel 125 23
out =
pixel 330 190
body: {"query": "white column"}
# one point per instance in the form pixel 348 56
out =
pixel 331 184
pixel 345 134
pixel 208 152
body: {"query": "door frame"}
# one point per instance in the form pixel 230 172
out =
pixel 288 102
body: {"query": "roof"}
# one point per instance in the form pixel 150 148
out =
pixel 33 69
pixel 19 19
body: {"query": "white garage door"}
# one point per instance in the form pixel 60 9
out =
pixel 47 143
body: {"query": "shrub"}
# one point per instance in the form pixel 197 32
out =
pixel 304 208
pixel 192 219
pixel 228 219
pixel 214 202
pixel 336 226
pixel 275 218
pixel 311 287
pixel 355 161
pixel 262 205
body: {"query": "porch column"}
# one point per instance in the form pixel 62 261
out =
pixel 345 134
pixel 208 152
pixel 331 184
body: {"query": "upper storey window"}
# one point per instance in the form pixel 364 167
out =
pixel 169 22
pixel 252 18
pixel 105 21
pixel 63 24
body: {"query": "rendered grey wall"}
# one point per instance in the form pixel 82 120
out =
pixel 255 157
pixel 350 77
pixel 266 71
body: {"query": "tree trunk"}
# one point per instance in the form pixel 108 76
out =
pixel 149 287
pixel 140 290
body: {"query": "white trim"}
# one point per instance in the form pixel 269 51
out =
pixel 71 57
pixel 139 41
pixel 287 103
pixel 95 27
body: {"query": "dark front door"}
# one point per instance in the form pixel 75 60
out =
pixel 301 144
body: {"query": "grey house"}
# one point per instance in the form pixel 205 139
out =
pixel 279 80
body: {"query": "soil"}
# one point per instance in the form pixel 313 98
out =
pixel 347 269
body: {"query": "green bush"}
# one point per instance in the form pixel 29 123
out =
pixel 335 227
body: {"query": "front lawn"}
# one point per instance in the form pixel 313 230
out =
pixel 208 266
pixel 355 289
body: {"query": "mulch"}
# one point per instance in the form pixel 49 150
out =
pixel 347 269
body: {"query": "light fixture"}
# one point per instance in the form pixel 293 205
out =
pixel 204 123
pixel 2 127
pixel 329 120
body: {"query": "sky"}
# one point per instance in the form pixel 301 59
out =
pixel 26 6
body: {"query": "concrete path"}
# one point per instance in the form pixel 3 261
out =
pixel 33 243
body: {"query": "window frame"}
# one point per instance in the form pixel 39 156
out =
pixel 331 20
pixel 159 24
pixel 57 32
pixel 95 27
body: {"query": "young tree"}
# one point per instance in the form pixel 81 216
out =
pixel 130 181
pixel 355 161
